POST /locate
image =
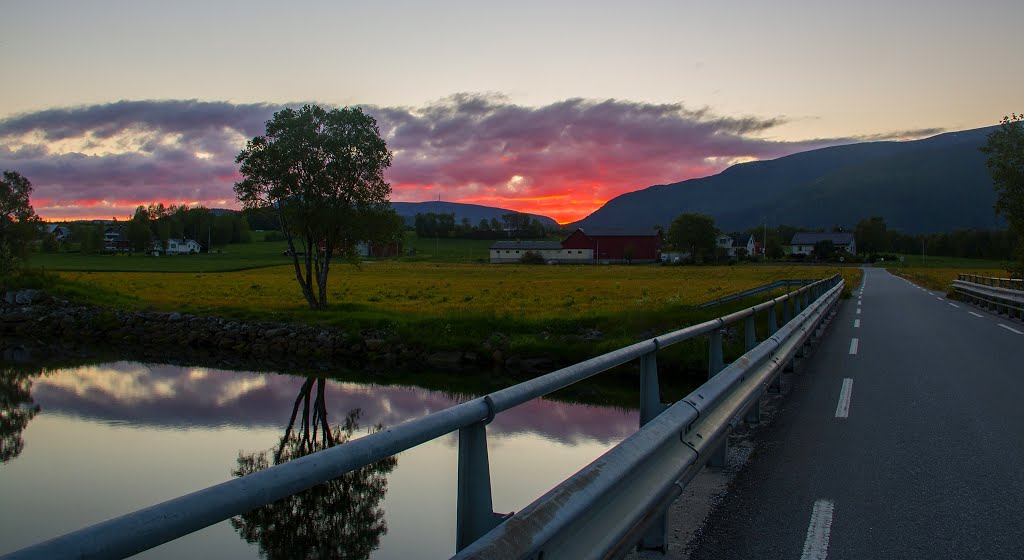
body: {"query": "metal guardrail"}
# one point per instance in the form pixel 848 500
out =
pixel 754 291
pixel 604 509
pixel 1001 295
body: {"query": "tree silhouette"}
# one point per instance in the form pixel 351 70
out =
pixel 16 410
pixel 340 518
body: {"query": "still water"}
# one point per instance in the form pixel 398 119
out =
pixel 112 438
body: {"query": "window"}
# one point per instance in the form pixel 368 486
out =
pixel 580 252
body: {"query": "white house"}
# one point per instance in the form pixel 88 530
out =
pixel 725 242
pixel 176 247
pixel 803 243
pixel 60 233
pixel 731 243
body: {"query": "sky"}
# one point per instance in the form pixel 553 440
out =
pixel 545 107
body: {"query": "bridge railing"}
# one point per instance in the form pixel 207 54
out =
pixel 610 505
pixel 754 291
pixel 1001 295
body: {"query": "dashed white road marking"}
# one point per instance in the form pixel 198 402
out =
pixel 858 311
pixel 1011 329
pixel 975 314
pixel 819 531
pixel 938 298
pixel 856 323
pixel 843 408
pixel 954 305
pixel 854 344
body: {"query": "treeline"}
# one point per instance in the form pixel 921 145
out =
pixel 515 225
pixel 157 224
pixel 962 243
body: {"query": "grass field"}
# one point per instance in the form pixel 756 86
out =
pixel 438 295
pixel 938 273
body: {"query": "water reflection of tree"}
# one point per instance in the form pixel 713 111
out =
pixel 16 410
pixel 340 518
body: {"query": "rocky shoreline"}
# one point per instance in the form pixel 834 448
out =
pixel 45 321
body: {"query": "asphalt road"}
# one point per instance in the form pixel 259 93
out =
pixel 928 461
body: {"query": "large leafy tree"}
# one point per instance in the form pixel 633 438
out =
pixel 321 173
pixel 694 233
pixel 19 224
pixel 872 235
pixel 1005 149
pixel 340 518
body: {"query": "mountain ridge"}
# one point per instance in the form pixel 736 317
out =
pixel 934 184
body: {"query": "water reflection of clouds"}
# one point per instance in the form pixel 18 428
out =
pixel 171 396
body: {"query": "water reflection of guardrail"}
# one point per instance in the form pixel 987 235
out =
pixel 613 503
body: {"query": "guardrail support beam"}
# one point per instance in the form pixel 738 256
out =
pixel 750 333
pixel 475 512
pixel 716 362
pixel 650 392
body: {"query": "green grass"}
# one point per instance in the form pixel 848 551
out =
pixel 918 261
pixel 446 250
pixel 240 256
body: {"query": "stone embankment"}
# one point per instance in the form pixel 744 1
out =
pixel 175 337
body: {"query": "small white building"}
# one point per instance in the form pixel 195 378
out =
pixel 177 247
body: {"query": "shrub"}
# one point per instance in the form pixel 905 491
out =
pixel 532 257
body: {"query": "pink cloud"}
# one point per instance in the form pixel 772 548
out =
pixel 562 160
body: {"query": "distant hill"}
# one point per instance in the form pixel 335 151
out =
pixel 921 186
pixel 474 212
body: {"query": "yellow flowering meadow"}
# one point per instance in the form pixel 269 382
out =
pixel 430 290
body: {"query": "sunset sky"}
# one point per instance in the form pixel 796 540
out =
pixel 546 107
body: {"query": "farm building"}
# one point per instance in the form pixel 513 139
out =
pixel 803 243
pixel 585 247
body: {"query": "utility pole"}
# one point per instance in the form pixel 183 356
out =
pixel 764 242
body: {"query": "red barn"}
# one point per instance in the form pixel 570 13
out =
pixel 617 245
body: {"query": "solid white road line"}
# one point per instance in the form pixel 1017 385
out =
pixel 854 344
pixel 843 408
pixel 954 305
pixel 1011 329
pixel 975 314
pixel 856 323
pixel 819 531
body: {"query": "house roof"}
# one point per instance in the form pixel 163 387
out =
pixel 740 240
pixel 528 245
pixel 838 238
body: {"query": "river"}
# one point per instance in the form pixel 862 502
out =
pixel 111 438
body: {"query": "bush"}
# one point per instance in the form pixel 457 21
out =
pixel 532 257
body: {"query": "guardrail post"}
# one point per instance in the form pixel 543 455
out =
pixel 650 407
pixel 773 323
pixel 787 314
pixel 750 333
pixel 716 362
pixel 650 392
pixel 475 512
